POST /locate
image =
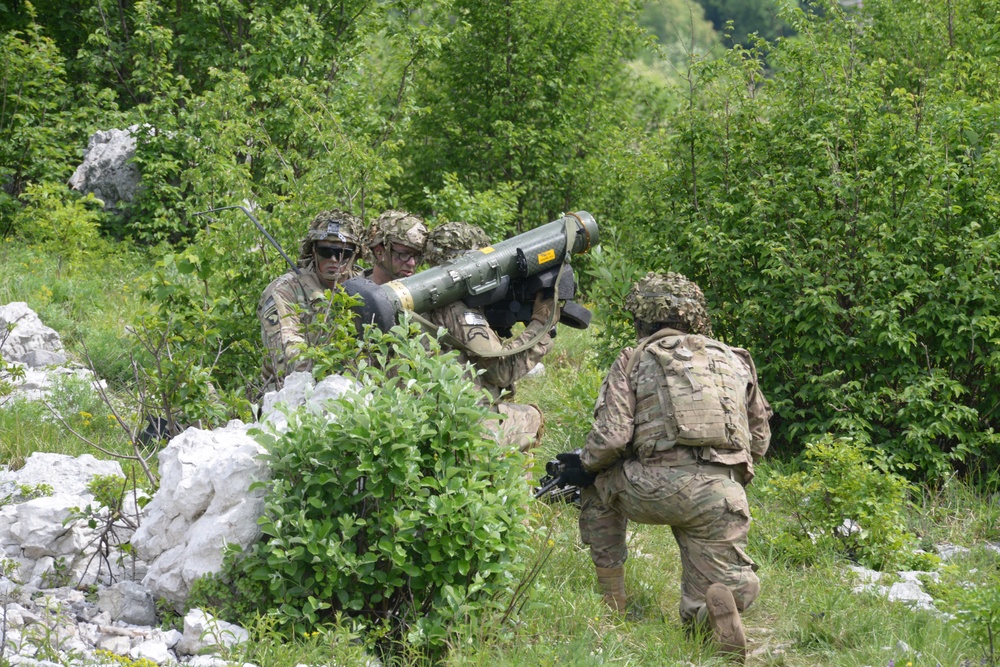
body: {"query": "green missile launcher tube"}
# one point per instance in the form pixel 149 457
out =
pixel 484 274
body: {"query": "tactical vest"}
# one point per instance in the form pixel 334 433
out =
pixel 690 391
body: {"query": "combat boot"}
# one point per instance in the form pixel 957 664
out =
pixel 612 581
pixel 724 619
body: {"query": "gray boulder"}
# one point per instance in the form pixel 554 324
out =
pixel 31 342
pixel 128 602
pixel 107 170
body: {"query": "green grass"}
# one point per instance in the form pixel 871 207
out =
pixel 89 303
pixel 806 615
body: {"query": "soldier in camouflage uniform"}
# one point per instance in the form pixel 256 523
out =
pixel 326 259
pixel 678 424
pixel 395 246
pixel 521 424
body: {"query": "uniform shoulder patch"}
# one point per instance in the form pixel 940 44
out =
pixel 473 318
pixel 269 312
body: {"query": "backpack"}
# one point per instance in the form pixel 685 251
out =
pixel 700 389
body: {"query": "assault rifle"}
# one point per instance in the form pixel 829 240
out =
pixel 553 489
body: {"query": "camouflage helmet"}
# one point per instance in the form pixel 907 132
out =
pixel 452 239
pixel 669 298
pixel 398 227
pixel 335 225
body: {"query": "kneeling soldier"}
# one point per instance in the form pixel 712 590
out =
pixel 679 422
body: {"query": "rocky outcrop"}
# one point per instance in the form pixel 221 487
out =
pixel 107 170
pixel 30 342
pixel 37 350
pixel 203 504
pixel 65 627
pixel 40 535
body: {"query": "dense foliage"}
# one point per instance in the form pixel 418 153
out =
pixel 395 507
pixel 845 499
pixel 840 213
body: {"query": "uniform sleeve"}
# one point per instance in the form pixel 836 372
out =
pixel 281 331
pixel 505 371
pixel 470 327
pixel 613 418
pixel 758 409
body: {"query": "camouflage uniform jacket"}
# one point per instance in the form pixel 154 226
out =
pixel 469 326
pixel 282 327
pixel 611 437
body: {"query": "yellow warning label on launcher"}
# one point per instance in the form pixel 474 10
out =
pixel 546 256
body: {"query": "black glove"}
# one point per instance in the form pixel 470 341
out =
pixel 573 472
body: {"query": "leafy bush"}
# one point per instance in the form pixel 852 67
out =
pixel 846 500
pixel 331 336
pixel 838 210
pixel 41 124
pixel 62 222
pixel 399 511
pixel 493 210
pixel 520 92
pixel 186 338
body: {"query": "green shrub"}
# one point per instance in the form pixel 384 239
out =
pixel 42 122
pixel 400 512
pixel 493 210
pixel 62 222
pixel 332 341
pixel 846 500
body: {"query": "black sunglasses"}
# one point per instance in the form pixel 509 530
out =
pixel 329 252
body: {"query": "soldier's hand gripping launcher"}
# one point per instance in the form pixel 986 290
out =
pixel 503 278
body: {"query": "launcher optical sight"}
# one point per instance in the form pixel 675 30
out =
pixel 502 278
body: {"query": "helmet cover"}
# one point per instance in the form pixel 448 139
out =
pixel 669 298
pixel 334 225
pixel 398 227
pixel 452 239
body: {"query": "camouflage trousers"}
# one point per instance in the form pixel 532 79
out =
pixel 519 425
pixel 709 516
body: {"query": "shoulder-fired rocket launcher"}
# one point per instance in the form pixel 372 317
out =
pixel 490 276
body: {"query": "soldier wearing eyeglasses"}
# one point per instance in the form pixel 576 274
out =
pixel 290 303
pixel 396 246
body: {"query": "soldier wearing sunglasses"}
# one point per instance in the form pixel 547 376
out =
pixel 326 259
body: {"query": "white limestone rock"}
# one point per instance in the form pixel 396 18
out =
pixel 947 552
pixel 28 337
pixel 300 389
pixel 203 632
pixel 66 474
pixel 42 528
pixel 153 650
pixel 202 505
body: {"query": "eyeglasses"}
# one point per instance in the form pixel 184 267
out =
pixel 331 252
pixel 404 257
